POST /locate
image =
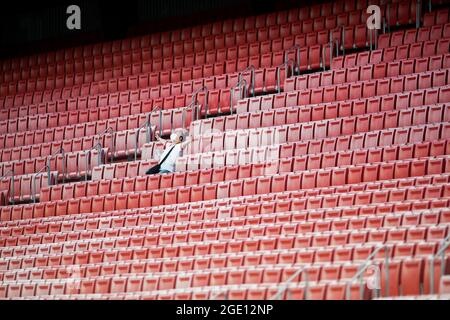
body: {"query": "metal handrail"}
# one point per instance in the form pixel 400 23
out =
pixel 280 291
pixel 324 64
pixel 63 153
pixel 97 147
pixel 336 41
pixel 158 108
pixel 418 12
pixel 194 103
pixel 5 175
pixel 388 20
pixel 194 100
pixel 286 65
pixel 343 40
pixel 34 180
pixel 332 44
pixel 195 109
pixel 251 68
pixel 296 48
pixel 237 85
pixel 441 252
pixel 363 267
pixel 147 126
pixel 105 132
pixel 373 39
pixel 214 297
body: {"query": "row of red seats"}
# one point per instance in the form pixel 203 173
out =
pixel 355 37
pixel 315 130
pixel 181 93
pixel 407 9
pixel 313 214
pixel 102 234
pixel 232 282
pixel 292 114
pixel 123 94
pixel 410 36
pixel 260 274
pixel 26 187
pixel 118 114
pixel 221 208
pixel 47 149
pixel 417 79
pixel 431 55
pixel 431 18
pixel 83 136
pixel 189 86
pixel 251 139
pixel 100 130
pixel 269 77
pixel 86 161
pixel 47 85
pixel 276 109
pixel 269 236
pixel 343 144
pixel 155 71
pixel 304 208
pixel 286 249
pixel 120 170
pixel 72 165
pixel 68 88
pixel 434 149
pixel 216 230
pixel 218 49
pixel 307 180
pixel 246 239
pixel 205 161
pixel 325 255
pixel 233 172
pixel 419 49
pixel 339 93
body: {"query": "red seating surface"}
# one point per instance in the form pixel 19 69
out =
pixel 316 145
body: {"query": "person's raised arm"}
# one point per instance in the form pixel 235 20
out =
pixel 185 143
pixel 158 137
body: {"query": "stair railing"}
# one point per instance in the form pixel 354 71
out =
pixel 252 78
pixel 225 293
pixel 290 63
pixel 63 153
pixel 242 82
pixel 7 176
pixel 148 132
pixel 363 267
pixel 111 131
pixel 285 285
pixel 40 172
pixel 419 12
pixel 296 49
pixel 98 146
pixel 194 103
pixel 439 254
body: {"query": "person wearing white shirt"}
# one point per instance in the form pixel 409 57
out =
pixel 178 143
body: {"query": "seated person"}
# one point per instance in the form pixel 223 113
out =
pixel 174 149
